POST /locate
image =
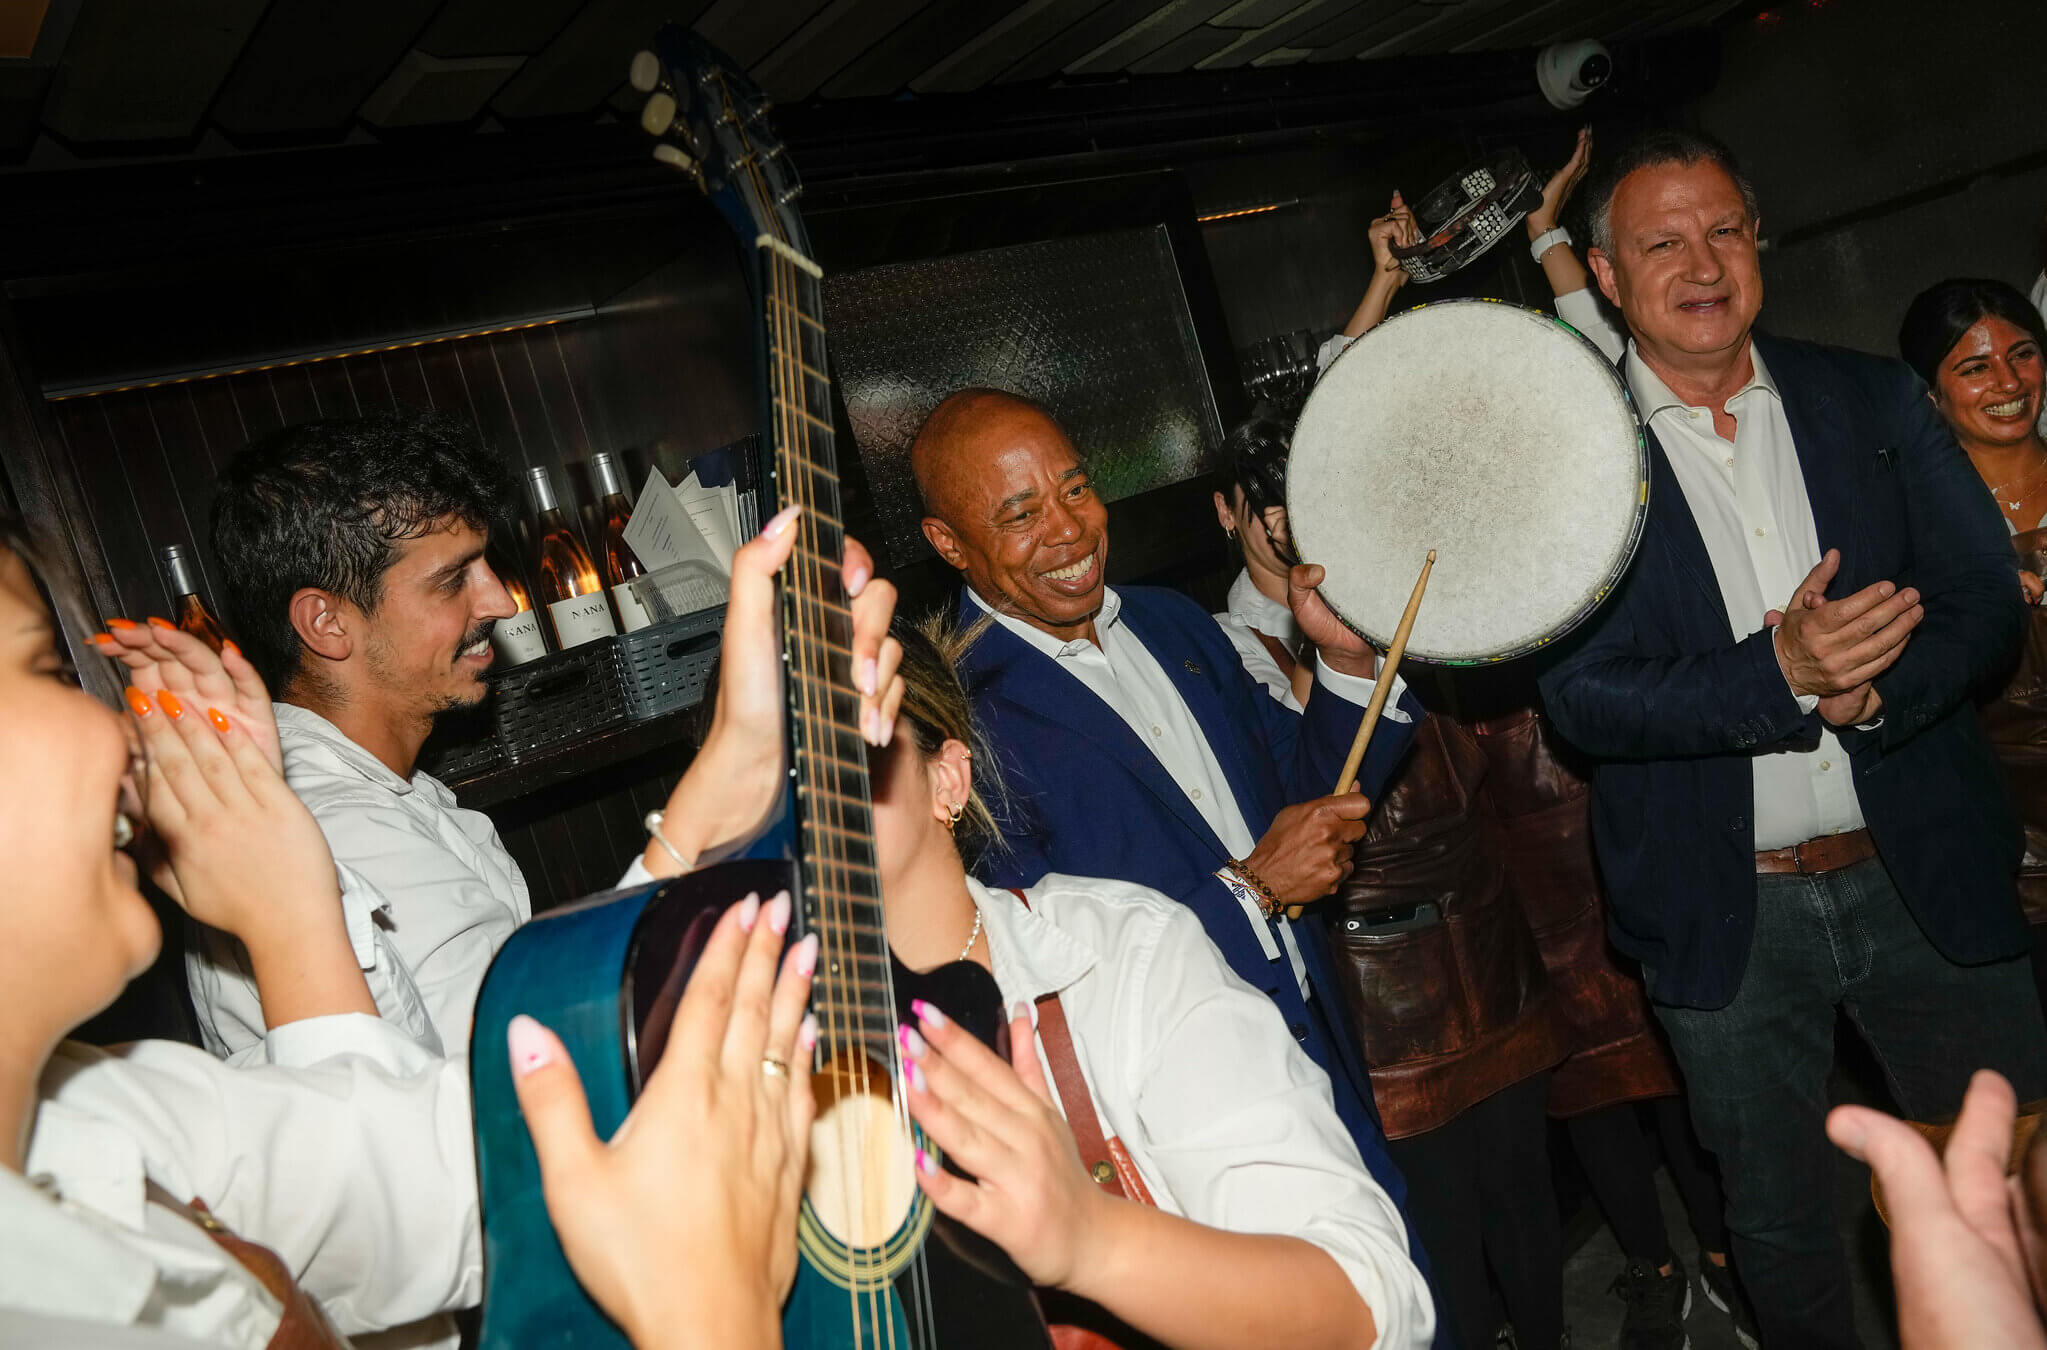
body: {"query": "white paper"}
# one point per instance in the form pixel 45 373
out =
pixel 714 519
pixel 662 533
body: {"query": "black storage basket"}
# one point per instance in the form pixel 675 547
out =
pixel 565 697
pixel 462 746
pixel 666 665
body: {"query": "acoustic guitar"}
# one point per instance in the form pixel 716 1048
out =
pixel 879 1267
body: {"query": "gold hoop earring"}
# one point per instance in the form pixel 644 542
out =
pixel 952 821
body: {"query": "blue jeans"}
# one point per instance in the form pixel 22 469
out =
pixel 1756 1071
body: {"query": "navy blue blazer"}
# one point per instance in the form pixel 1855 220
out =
pixel 1660 691
pixel 1088 798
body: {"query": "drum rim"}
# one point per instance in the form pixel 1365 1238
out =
pixel 1623 559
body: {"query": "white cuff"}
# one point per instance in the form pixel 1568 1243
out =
pixel 636 874
pixel 1248 899
pixel 1358 689
pixel 313 1039
pixel 1329 351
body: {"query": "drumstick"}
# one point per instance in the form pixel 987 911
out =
pixel 1346 780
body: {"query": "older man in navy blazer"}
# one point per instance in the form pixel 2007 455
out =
pixel 1794 810
pixel 1129 740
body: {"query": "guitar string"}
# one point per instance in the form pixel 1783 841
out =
pixel 798 626
pixel 790 353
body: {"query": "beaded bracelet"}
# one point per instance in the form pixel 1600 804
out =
pixel 1268 903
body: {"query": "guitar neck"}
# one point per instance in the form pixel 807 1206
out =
pixel 852 994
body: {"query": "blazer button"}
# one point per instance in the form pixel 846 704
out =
pixel 1300 1030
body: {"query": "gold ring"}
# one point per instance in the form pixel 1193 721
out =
pixel 774 1068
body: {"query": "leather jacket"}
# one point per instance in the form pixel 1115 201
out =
pixel 1440 971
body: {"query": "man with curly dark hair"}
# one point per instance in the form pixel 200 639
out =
pixel 353 558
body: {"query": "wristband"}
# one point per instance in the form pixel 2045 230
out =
pixel 1268 903
pixel 1547 240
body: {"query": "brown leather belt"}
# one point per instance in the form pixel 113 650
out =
pixel 1828 853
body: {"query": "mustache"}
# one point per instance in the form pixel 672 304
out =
pixel 480 633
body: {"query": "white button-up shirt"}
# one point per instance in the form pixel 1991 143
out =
pixel 1251 612
pixel 349 1155
pixel 1749 501
pixel 1227 1119
pixel 1124 674
pixel 431 895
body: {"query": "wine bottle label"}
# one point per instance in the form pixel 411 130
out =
pixel 582 618
pixel 632 615
pixel 518 639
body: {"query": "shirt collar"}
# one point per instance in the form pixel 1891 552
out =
pixel 56 1261
pixel 1260 612
pixel 303 724
pixel 1032 955
pixel 1105 619
pixel 1653 396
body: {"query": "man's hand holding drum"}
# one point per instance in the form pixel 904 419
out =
pixel 1835 648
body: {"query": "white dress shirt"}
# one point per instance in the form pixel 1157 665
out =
pixel 1228 1120
pixel 349 1155
pixel 1581 309
pixel 1124 674
pixel 1251 612
pixel 433 895
pixel 1749 501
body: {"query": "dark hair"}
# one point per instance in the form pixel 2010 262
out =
pixel 1939 315
pixel 1257 450
pixel 1666 145
pixel 324 505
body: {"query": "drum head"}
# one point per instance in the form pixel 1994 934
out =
pixel 1492 434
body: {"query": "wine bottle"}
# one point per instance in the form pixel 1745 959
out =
pixel 189 611
pixel 518 639
pixel 620 564
pixel 569 588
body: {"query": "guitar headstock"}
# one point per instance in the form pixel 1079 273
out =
pixel 710 122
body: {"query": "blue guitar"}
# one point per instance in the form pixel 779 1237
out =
pixel 879 1266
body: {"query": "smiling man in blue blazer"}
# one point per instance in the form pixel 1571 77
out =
pixel 1128 737
pixel 1794 810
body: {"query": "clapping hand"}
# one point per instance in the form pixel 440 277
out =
pixel 683 1225
pixel 1834 648
pixel 1961 1232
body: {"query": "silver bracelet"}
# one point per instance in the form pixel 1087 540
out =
pixel 653 824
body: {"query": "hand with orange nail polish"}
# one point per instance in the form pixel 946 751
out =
pixel 683 1226
pixel 159 656
pixel 241 853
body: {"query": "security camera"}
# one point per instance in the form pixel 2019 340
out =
pixel 1568 72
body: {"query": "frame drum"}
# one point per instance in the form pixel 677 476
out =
pixel 1496 436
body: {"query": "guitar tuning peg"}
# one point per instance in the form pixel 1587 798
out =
pixel 674 158
pixel 659 113
pixel 645 73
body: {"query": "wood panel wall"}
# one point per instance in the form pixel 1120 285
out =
pixel 660 372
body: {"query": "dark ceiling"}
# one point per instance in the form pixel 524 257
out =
pixel 94 79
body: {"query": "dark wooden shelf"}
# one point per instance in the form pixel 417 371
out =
pixel 606 750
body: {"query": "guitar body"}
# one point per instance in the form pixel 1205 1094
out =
pixel 878 1266
pixel 605 975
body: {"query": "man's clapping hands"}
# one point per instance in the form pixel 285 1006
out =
pixel 1835 648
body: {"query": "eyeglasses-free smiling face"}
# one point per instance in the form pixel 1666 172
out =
pixel 1683 267
pixel 1013 508
pixel 1989 385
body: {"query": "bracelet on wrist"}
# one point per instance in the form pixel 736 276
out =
pixel 1269 903
pixel 1547 240
pixel 653 824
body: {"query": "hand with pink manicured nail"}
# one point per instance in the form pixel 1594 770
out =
pixel 683 1226
pixel 737 774
pixel 1030 1194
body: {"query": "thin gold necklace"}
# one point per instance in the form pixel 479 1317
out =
pixel 2012 503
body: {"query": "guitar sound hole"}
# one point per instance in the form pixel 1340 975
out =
pixel 862 1182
